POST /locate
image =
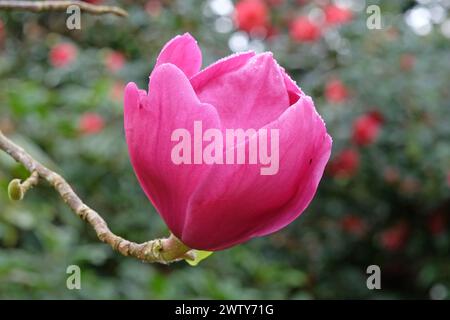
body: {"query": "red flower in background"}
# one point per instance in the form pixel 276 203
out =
pixel 410 185
pixel 2 31
pixel 437 223
pixel 391 175
pixel 114 61
pixel 251 15
pixel 116 91
pixel 366 129
pixel 62 54
pixel 394 238
pixel 345 164
pixel 407 61
pixel 275 3
pixel 303 29
pixel 91 123
pixel 354 225
pixel 335 15
pixel 94 1
pixel 153 8
pixel 335 91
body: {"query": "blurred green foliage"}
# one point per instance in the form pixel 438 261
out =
pixel 401 179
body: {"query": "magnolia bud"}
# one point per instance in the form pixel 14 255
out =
pixel 15 191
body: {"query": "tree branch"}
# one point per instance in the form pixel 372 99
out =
pixel 39 6
pixel 159 250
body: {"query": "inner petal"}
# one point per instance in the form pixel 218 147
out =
pixel 247 97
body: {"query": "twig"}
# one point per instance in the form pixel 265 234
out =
pixel 39 6
pixel 158 250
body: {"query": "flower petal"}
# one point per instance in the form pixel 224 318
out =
pixel 220 67
pixel 149 123
pixel 250 94
pixel 236 203
pixel 294 92
pixel 183 52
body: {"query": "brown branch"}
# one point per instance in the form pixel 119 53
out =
pixel 40 6
pixel 158 250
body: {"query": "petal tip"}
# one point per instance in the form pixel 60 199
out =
pixel 182 51
pixel 188 36
pixel 131 93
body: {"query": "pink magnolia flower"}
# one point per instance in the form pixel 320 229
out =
pixel 215 206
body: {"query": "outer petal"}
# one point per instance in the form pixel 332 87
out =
pixel 235 202
pixel 149 123
pixel 249 96
pixel 183 52
pixel 294 91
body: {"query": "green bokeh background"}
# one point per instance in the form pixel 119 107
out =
pixel 314 257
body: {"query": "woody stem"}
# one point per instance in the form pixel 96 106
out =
pixel 159 250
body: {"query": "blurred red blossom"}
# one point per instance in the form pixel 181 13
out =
pixel 62 54
pixel 303 29
pixel 366 129
pixel 353 225
pixel 407 61
pixel 275 3
pixel 437 222
pixel 251 15
pixel 391 175
pixel 153 8
pixel 392 33
pixel 2 31
pixel 91 123
pixel 335 15
pixel 335 91
pixel 272 33
pixel 410 185
pixel 345 164
pixel 114 61
pixel 116 92
pixel 94 1
pixel 394 238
